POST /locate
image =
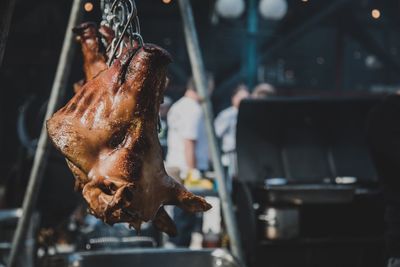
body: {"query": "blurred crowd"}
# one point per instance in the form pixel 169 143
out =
pixel 185 144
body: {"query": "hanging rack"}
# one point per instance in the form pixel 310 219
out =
pixel 200 80
pixel 41 153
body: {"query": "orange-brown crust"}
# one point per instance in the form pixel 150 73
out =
pixel 94 60
pixel 108 133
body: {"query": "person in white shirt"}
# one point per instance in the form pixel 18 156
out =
pixel 187 137
pixel 225 122
pixel 187 150
pixel 225 129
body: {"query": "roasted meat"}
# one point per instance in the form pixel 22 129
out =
pixel 108 134
pixel 94 44
pixel 94 59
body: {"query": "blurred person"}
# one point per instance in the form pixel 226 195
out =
pixel 225 128
pixel 384 141
pixel 263 90
pixel 188 154
pixel 163 131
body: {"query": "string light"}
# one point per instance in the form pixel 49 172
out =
pixel 88 6
pixel 375 13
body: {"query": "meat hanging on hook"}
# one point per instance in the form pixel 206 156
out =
pixel 108 132
pixel 122 17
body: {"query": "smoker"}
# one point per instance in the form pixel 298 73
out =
pixel 306 179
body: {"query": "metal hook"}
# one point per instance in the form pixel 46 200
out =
pixel 124 4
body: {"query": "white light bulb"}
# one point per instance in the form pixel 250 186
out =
pixel 273 9
pixel 230 9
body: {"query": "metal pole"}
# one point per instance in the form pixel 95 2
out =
pixel 202 89
pixel 39 162
pixel 6 11
pixel 250 59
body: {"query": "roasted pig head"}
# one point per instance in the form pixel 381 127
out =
pixel 108 134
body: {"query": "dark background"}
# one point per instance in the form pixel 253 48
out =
pixel 319 48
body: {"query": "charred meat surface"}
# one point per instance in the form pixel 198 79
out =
pixel 108 134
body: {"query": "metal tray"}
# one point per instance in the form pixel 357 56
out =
pixel 149 257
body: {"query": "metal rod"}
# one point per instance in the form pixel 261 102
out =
pixel 39 162
pixel 6 11
pixel 250 60
pixel 202 89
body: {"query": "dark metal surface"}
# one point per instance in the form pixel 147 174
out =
pixel 308 194
pixel 304 140
pixel 10 215
pixel 148 258
pixel 104 243
pixel 8 223
pixel 280 223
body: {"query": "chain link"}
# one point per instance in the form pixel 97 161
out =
pixel 121 16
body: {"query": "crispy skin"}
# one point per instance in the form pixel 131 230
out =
pixel 94 50
pixel 94 60
pixel 108 133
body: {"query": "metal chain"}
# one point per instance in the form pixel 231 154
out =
pixel 121 16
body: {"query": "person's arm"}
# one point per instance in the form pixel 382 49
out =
pixel 221 124
pixel 190 153
pixel 190 135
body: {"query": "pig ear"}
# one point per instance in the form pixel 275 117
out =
pixel 163 223
pixel 192 203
